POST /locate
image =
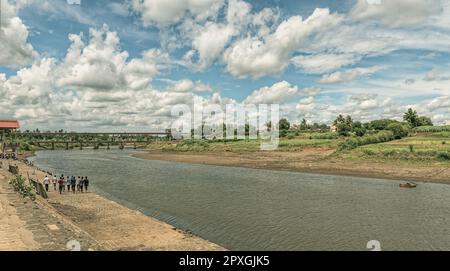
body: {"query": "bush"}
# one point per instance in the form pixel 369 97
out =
pixel 192 145
pixel 20 186
pixel 369 152
pixel 360 132
pixel 399 130
pixel 353 143
pixel 25 146
pixel 432 129
pixel 443 155
pixel 325 136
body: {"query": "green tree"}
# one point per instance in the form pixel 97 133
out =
pixel 344 125
pixel 425 121
pixel 284 125
pixel 304 125
pixel 411 117
pixel 399 130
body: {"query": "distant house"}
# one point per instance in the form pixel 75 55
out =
pixel 333 128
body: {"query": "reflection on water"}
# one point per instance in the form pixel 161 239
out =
pixel 249 209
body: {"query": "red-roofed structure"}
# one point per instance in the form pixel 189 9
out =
pixel 9 124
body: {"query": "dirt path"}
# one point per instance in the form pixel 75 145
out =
pixel 116 227
pixel 314 160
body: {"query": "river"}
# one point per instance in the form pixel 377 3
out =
pixel 254 209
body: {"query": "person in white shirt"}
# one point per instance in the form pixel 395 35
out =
pixel 54 181
pixel 46 183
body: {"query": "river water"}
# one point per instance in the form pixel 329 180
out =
pixel 253 209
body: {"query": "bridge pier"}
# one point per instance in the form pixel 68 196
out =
pixel 81 145
pixel 67 145
pixel 107 147
pixel 53 145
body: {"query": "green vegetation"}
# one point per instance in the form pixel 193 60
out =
pixel 353 143
pixel 432 129
pixel 415 120
pixel 19 184
pixel 415 148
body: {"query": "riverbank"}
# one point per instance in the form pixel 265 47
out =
pixel 99 224
pixel 311 160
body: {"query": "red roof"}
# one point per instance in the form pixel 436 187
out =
pixel 9 124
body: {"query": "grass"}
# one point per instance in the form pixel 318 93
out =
pixel 290 143
pixel 416 148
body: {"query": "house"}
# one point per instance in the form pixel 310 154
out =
pixel 333 128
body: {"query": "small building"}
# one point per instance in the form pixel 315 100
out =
pixel 6 127
pixel 333 128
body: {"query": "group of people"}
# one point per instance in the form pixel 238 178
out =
pixel 7 155
pixel 73 184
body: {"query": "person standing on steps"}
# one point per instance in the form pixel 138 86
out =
pixel 46 183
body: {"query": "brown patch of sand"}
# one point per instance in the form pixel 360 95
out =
pixel 311 160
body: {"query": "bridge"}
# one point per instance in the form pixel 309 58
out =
pixel 95 139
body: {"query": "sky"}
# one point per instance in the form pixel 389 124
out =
pixel 123 65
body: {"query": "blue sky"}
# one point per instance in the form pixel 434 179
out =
pixel 368 58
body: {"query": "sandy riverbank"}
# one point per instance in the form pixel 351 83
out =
pixel 111 225
pixel 312 160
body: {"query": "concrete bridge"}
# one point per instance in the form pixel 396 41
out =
pixel 107 139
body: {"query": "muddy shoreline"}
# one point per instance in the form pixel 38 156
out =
pixel 317 161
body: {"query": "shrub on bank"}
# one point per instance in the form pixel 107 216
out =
pixel 432 129
pixel 192 145
pixel 353 143
pixel 20 186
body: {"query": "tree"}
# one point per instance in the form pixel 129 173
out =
pixel 284 124
pixel 411 117
pixel 425 121
pixel 344 125
pixel 399 130
pixel 304 125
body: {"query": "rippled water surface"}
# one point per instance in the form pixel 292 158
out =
pixel 250 209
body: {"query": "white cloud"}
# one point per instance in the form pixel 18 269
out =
pixel 163 12
pixel 347 76
pixel 187 85
pixel 435 75
pixel 209 41
pixel 260 56
pixel 15 51
pixel 323 63
pixel 398 13
pixel 278 93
